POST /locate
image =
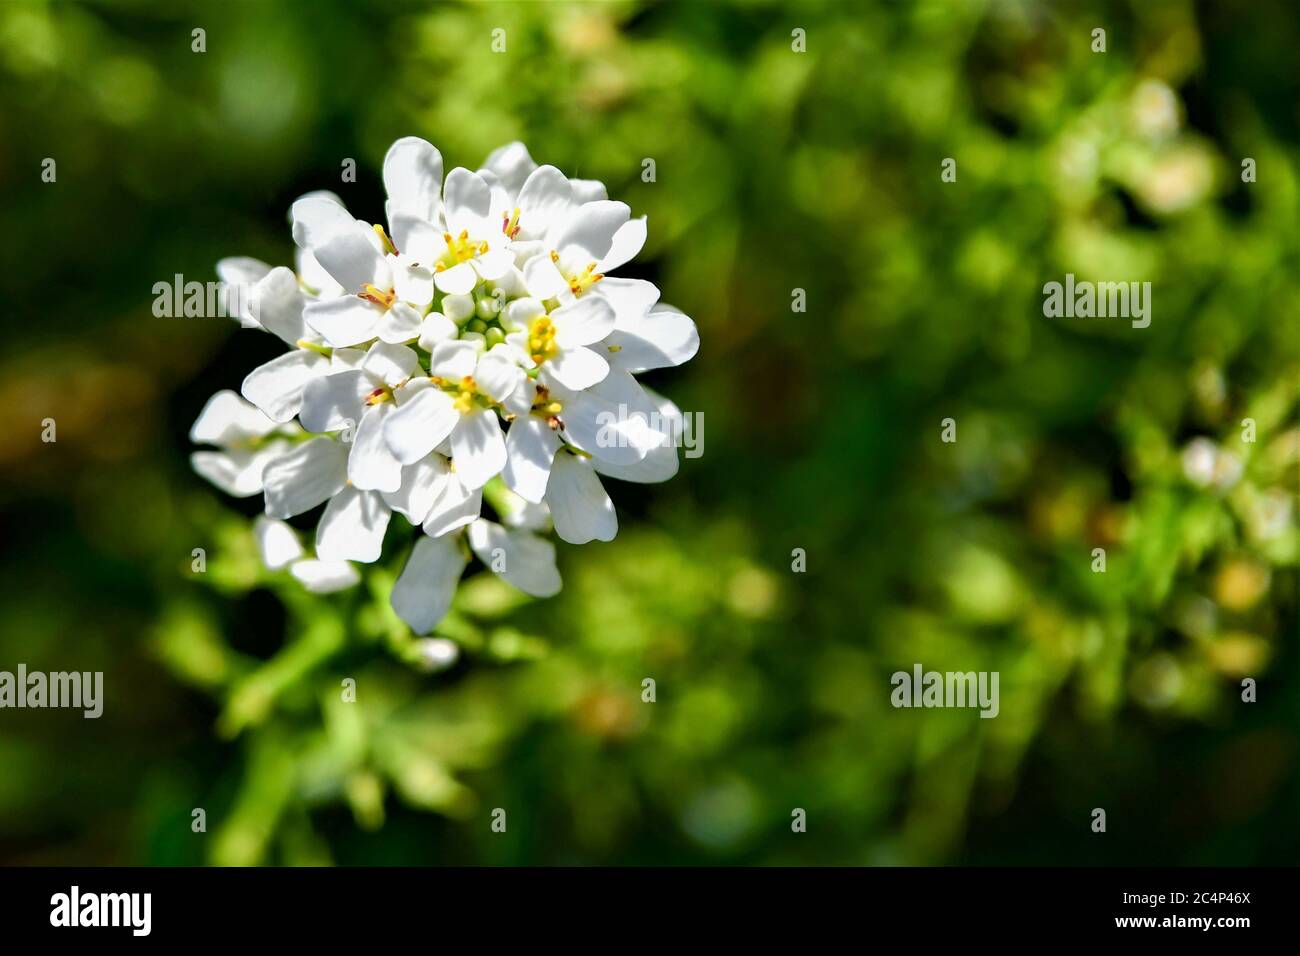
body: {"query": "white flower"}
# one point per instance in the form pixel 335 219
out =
pixel 280 548
pixel 384 293
pixel 609 422
pixel 508 167
pixel 357 400
pixel 248 441
pixel 305 476
pixel 423 592
pixel 458 404
pixel 481 335
pixel 276 387
pixel 542 468
pixel 557 339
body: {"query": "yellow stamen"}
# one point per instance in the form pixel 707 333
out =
pixel 585 279
pixel 372 293
pixel 541 339
pixel 510 224
pixel 464 401
pixel 383 237
pixel 460 249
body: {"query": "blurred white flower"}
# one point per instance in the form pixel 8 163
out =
pixel 280 548
pixel 248 441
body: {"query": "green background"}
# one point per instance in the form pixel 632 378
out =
pixel 775 170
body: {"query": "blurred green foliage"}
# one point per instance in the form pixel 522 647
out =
pixel 775 170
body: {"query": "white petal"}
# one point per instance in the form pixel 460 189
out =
pixel 237 472
pixel 371 465
pixel 628 241
pixel 421 484
pixel 591 227
pixel 347 320
pixel 317 219
pixel 390 364
pixel 454 507
pixel 416 427
pixel 276 387
pixel 453 359
pixel 523 515
pixel 334 402
pixel 460 279
pixel 352 259
pixel 512 166
pixel 587 320
pixel 304 476
pixel 494 264
pixel 579 506
pixel 578 368
pixel 467 201
pixel 521 312
pixel 241 270
pixel 630 299
pixel 417 240
pixel 522 559
pixel 312 275
pixel 511 285
pixel 401 323
pixel 660 462
pixel 477 447
pixel 277 543
pixel 352 527
pixel 277 305
pixel 498 373
pixel 660 339
pixel 325 577
pixel 543 278
pixel 343 359
pixel 227 419
pixel 413 284
pixel 502 201
pixel 520 401
pixel 545 200
pixel 413 178
pixel 530 449
pixel 434 328
pixel 587 190
pixel 610 419
pixel 422 595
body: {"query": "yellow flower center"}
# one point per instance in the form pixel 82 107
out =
pixel 460 249
pixel 582 281
pixel 379 396
pixel 464 401
pixel 541 339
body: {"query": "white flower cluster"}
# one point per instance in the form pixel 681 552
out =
pixel 481 344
